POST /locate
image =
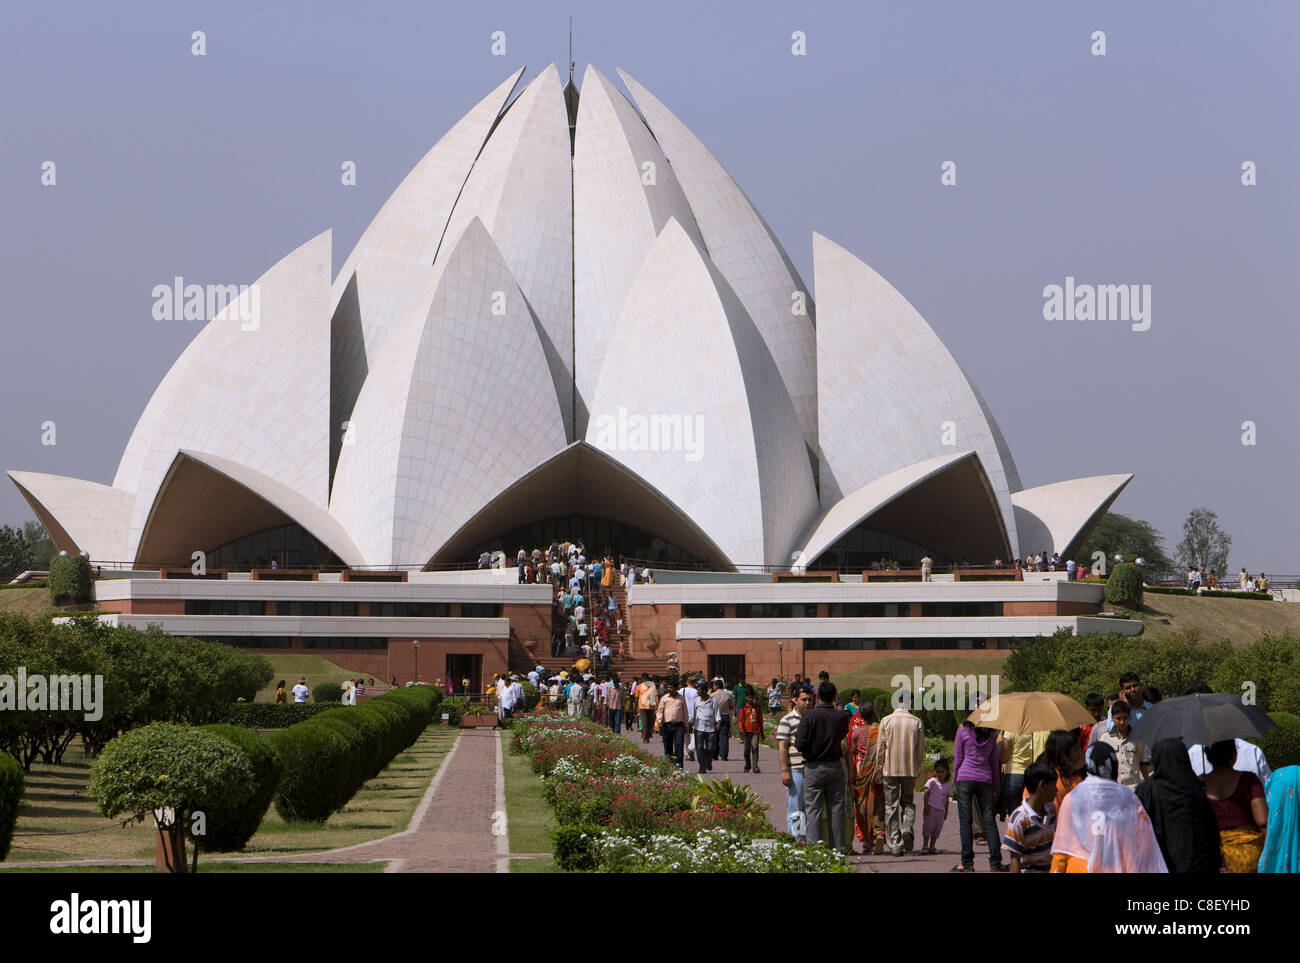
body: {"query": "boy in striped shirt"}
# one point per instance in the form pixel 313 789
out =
pixel 1032 827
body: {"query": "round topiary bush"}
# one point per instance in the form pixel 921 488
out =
pixel 1124 587
pixel 69 580
pixel 231 825
pixel 11 793
pixel 165 767
pixel 327 692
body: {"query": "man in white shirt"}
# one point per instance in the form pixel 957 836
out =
pixel 533 676
pixel 1249 759
pixel 690 695
pixel 300 692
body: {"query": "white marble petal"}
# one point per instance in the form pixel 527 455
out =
pixel 520 189
pixel 728 448
pixel 79 515
pixel 888 390
pixel 458 408
pixel 617 216
pixel 252 389
pixel 1056 517
pixel 746 252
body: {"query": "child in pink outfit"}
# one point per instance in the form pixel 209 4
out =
pixel 937 790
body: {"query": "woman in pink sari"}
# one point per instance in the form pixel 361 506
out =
pixel 868 793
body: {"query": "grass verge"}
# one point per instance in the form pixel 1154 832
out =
pixel 528 817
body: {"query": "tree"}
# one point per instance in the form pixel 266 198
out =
pixel 1205 545
pixel 42 545
pixel 15 553
pixel 1132 538
pixel 174 775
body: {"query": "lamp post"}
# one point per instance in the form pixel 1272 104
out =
pixel 415 643
pixel 780 651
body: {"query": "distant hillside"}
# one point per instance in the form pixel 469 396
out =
pixel 1240 621
pixel 24 599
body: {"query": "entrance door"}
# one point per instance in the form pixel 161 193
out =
pixel 727 667
pixel 462 667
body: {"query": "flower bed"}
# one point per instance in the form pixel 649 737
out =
pixel 603 787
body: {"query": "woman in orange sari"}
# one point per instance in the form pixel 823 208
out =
pixel 868 793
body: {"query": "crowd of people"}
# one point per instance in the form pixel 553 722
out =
pixel 1199 580
pixel 1084 800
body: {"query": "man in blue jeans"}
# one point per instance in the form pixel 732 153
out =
pixel 792 762
pixel 671 720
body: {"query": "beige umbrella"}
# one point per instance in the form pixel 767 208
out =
pixel 1024 712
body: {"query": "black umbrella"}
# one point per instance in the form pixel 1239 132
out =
pixel 1201 719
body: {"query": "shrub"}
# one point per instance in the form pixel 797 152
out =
pixel 231 825
pixel 314 760
pixel 532 695
pixel 1271 664
pixel 357 749
pixel 574 847
pixel 1124 587
pixel 11 793
pixel 455 707
pixel 1281 746
pixel 166 766
pixel 327 692
pixel 69 580
pixel 266 715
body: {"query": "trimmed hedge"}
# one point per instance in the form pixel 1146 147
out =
pixel 11 792
pixel 1124 587
pixel 327 692
pixel 330 756
pixel 69 580
pixel 574 847
pixel 230 827
pixel 1281 746
pixel 266 715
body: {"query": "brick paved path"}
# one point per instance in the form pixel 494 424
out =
pixel 768 785
pixel 452 831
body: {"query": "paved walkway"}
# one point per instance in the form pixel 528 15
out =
pixel 768 785
pixel 458 827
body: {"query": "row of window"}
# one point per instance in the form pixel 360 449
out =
pixel 845 610
pixel 285 642
pixel 408 610
pixel 842 645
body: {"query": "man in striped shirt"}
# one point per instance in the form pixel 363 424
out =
pixel 1032 827
pixel 792 762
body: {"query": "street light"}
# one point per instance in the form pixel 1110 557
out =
pixel 780 650
pixel 416 645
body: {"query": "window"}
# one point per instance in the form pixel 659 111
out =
pixel 773 610
pixel 869 610
pixel 841 645
pixel 961 609
pixel 933 643
pixel 704 611
pixel 345 642
pixel 480 610
pixel 331 608
pixel 224 607
pixel 410 610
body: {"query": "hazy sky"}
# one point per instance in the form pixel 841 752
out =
pixel 1116 169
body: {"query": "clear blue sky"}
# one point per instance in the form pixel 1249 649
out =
pixel 1117 169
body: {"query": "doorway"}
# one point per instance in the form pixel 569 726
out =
pixel 465 667
pixel 727 667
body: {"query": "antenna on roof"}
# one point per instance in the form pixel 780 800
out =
pixel 571 65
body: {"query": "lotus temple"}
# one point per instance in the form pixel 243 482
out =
pixel 568 321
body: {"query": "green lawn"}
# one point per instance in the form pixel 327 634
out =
pixel 528 816
pixel 58 821
pixel 879 674
pixel 314 667
pixel 1240 621
pixel 24 599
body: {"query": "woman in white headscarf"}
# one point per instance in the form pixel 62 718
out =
pixel 1102 827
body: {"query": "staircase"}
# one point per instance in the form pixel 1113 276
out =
pixel 623 663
